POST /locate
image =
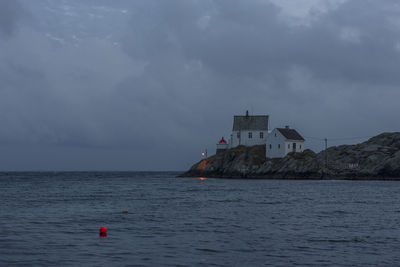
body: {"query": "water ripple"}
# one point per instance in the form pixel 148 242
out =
pixel 52 219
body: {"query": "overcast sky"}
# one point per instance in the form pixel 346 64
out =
pixel 147 85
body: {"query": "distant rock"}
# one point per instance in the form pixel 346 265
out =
pixel 377 158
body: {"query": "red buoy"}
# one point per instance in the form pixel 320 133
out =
pixel 103 231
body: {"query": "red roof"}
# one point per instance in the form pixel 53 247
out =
pixel 222 141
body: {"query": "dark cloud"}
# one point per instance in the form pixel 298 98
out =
pixel 354 42
pixel 149 84
pixel 10 13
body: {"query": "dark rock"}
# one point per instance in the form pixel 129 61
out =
pixel 377 158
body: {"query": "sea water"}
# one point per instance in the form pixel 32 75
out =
pixel 53 219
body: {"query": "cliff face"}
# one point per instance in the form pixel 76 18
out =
pixel 379 157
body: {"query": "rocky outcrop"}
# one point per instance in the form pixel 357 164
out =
pixel 377 158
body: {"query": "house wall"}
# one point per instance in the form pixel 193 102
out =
pixel 289 146
pixel 275 146
pixel 246 141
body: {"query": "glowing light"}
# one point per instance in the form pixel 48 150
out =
pixel 202 178
pixel 203 154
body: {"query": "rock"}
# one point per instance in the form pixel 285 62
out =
pixel 377 158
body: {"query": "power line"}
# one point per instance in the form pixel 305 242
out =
pixel 351 138
pixel 316 138
pixel 338 138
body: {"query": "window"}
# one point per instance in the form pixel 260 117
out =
pixel 279 146
pixel 300 146
pixel 288 146
pixel 275 134
pixel 250 135
pixel 261 135
pixel 238 135
pixel 270 146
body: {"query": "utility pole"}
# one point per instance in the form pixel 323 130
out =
pixel 326 153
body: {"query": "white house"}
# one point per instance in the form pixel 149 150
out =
pixel 282 141
pixel 249 130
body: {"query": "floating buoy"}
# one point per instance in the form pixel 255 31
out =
pixel 103 231
pixel 125 211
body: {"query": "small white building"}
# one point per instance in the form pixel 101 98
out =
pixel 282 141
pixel 249 130
pixel 222 145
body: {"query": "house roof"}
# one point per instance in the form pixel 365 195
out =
pixel 290 134
pixel 255 123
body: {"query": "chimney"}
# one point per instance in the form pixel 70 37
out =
pixel 247 113
pixel 287 127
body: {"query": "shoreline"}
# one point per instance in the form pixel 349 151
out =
pixel 375 159
pixel 272 177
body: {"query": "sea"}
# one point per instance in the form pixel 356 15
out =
pixel 53 219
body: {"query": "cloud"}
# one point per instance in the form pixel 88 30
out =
pixel 160 81
pixel 353 41
pixel 244 55
pixel 10 13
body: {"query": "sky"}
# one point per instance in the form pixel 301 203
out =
pixel 148 85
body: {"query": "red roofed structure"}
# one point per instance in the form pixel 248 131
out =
pixel 222 145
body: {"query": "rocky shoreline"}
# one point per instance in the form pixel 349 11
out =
pixel 376 159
